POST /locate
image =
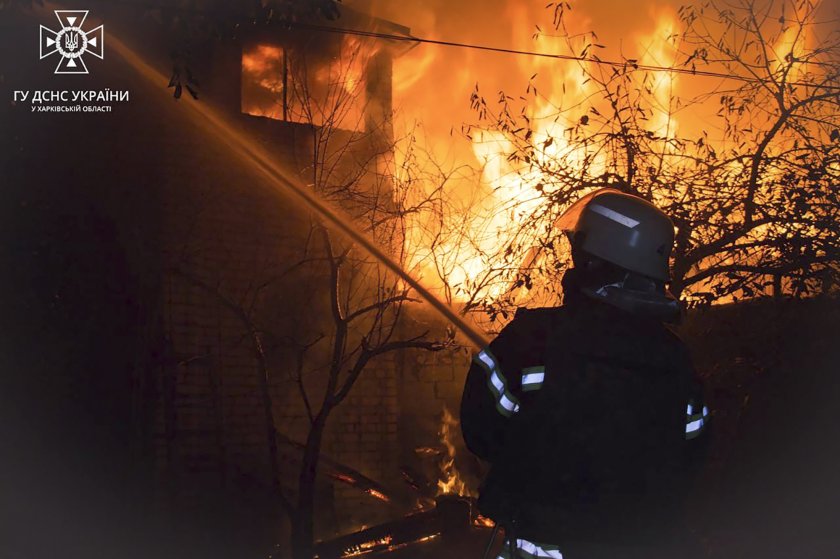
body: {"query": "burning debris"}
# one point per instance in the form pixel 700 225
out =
pixel 451 517
pixel 442 476
pixel 341 472
pixel 368 546
pixel 445 506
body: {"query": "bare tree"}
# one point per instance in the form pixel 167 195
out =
pixel 320 311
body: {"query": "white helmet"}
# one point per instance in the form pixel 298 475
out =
pixel 622 229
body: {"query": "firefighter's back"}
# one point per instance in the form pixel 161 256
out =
pixel 597 453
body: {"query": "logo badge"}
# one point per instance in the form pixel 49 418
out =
pixel 71 42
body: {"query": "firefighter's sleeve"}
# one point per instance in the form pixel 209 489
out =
pixel 492 393
pixel 698 418
pixel 697 414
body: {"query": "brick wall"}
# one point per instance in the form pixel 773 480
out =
pixel 210 420
pixel 224 233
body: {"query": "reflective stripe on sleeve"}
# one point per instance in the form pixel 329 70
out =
pixel 485 358
pixel 695 422
pixel 530 550
pixel 693 426
pixel 506 403
pixel 497 383
pixel 533 378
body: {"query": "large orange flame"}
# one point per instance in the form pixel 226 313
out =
pixel 510 191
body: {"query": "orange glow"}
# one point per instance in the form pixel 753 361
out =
pixel 660 49
pixel 321 88
pixel 793 41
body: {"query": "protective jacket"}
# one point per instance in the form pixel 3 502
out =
pixel 590 418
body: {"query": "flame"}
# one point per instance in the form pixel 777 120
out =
pixel 483 521
pixel 413 67
pixel 262 59
pixel 660 49
pixel 467 250
pixel 262 81
pixel 793 40
pixel 320 88
pixel 450 481
pixel 509 192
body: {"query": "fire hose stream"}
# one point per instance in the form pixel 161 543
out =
pixel 250 152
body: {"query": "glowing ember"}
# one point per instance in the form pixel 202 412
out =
pixel 427 451
pixel 367 547
pixel 344 477
pixel 384 545
pixel 483 521
pixel 378 495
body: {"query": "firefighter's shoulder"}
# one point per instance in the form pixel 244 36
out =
pixel 537 313
pixel 674 340
pixel 524 335
pixel 537 318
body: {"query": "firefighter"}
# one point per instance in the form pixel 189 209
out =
pixel 590 414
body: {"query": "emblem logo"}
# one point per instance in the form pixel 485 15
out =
pixel 71 42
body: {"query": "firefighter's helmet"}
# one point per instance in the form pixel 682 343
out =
pixel 622 229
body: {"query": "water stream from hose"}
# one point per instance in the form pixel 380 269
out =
pixel 250 152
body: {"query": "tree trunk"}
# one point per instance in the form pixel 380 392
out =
pixel 777 286
pixel 681 264
pixel 677 283
pixel 304 518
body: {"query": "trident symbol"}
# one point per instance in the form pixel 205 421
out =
pixel 72 41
